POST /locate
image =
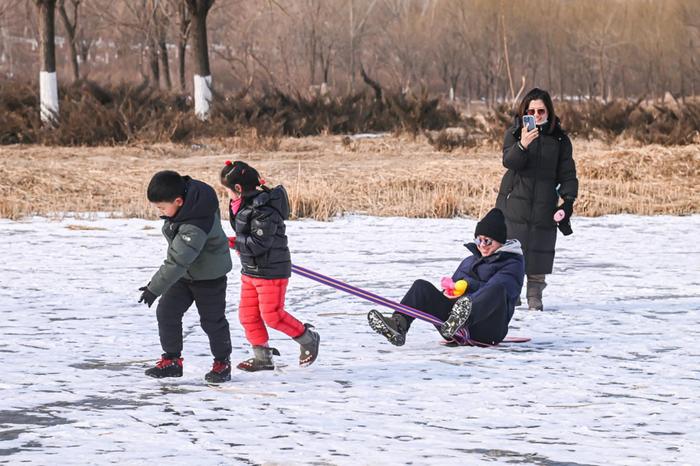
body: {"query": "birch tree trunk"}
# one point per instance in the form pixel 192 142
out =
pixel 48 85
pixel 202 75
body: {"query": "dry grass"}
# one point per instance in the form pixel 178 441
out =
pixel 85 228
pixel 390 176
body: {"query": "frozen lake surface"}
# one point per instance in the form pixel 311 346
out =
pixel 611 375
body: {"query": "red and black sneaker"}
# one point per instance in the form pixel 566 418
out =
pixel 220 372
pixel 168 366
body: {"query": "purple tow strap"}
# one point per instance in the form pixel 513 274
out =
pixel 461 337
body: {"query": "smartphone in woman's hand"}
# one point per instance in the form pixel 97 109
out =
pixel 529 122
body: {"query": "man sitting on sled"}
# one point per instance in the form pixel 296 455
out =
pixel 494 277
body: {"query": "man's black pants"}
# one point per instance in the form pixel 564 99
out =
pixel 488 321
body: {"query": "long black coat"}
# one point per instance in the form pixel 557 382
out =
pixel 530 189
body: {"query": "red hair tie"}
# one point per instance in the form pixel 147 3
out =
pixel 228 163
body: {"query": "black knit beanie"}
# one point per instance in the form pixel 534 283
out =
pixel 492 225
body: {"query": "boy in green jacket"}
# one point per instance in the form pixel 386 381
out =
pixel 194 270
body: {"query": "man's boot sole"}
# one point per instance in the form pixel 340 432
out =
pixel 219 378
pixel 156 376
pixel 458 317
pixel 378 325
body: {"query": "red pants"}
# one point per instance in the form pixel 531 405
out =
pixel 262 302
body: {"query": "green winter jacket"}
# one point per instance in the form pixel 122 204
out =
pixel 197 245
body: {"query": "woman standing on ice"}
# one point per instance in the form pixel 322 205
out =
pixel 541 170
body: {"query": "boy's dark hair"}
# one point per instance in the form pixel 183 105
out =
pixel 241 173
pixel 166 186
pixel 538 94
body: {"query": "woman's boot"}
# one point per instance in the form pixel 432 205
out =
pixel 535 286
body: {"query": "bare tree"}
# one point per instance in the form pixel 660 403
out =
pixel 5 48
pixel 450 51
pixel 128 26
pixel 689 11
pixel 502 18
pixel 161 23
pixel 184 20
pixel 152 31
pixel 483 44
pixel 48 85
pixel 7 7
pixel 600 42
pixel 479 49
pixel 357 27
pixel 310 24
pixel 199 9
pixel 317 22
pixel 70 24
pixel 152 57
pixel 406 27
pixel 242 50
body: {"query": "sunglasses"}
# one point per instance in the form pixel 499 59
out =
pixel 484 241
pixel 540 111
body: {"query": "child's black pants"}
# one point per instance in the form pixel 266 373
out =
pixel 210 298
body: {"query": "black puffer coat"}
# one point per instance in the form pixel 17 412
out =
pixel 530 189
pixel 261 240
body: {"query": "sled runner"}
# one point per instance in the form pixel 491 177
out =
pixel 480 344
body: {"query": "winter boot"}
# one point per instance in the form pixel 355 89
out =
pixel 535 286
pixel 458 317
pixel 220 371
pixel 392 328
pixel 261 360
pixel 168 366
pixel 309 342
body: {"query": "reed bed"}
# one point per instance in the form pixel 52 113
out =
pixel 327 176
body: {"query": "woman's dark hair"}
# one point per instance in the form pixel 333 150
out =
pixel 166 186
pixel 538 94
pixel 240 173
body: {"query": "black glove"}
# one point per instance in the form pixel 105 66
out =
pixel 565 227
pixel 568 208
pixel 564 224
pixel 147 296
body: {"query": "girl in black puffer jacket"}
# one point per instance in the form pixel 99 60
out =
pixel 257 215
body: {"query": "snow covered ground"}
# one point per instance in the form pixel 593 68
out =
pixel 611 375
